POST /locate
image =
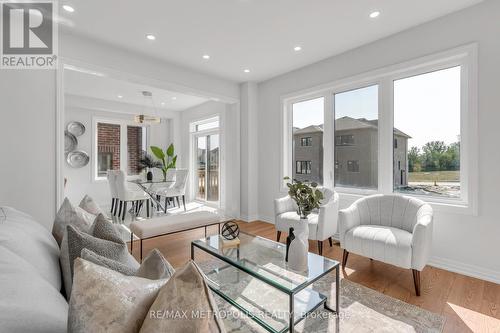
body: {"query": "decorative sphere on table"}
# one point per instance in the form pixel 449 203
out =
pixel 230 230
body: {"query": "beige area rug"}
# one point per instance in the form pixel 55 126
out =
pixel 361 309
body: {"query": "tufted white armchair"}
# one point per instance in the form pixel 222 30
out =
pixel 393 229
pixel 322 224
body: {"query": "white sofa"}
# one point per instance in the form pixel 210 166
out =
pixel 322 224
pixel 30 277
pixel 393 229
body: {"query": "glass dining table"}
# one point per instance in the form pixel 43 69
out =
pixel 150 187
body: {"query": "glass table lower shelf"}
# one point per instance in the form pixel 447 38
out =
pixel 266 305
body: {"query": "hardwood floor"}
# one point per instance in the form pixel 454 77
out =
pixel 469 304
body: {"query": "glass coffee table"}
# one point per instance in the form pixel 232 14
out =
pixel 253 277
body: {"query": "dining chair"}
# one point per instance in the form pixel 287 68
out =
pixel 126 195
pixel 178 189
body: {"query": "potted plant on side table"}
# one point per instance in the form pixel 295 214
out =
pixel 307 197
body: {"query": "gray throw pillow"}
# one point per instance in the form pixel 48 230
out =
pixel 185 292
pixel 70 215
pixel 104 241
pixel 108 263
pixel 103 300
pixel 153 267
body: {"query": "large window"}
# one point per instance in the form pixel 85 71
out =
pixel 410 128
pixel 113 140
pixel 356 116
pixel 307 124
pixel 427 133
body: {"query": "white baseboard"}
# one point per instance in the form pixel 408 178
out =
pixel 466 269
pixel 249 218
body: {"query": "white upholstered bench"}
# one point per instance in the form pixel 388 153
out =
pixel 171 224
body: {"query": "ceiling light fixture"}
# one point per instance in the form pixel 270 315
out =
pixel 374 14
pixel 150 37
pixel 162 103
pixel 246 70
pixel 148 119
pixel 174 98
pixel 297 48
pixel 68 8
pixel 206 56
pixel 120 96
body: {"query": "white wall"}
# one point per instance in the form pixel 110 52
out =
pixel 249 152
pixel 27 142
pixel 81 180
pixel 229 141
pixel 464 243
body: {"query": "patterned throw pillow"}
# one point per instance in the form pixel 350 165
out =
pixel 104 241
pixel 105 300
pixel 89 205
pixel 70 215
pixel 185 292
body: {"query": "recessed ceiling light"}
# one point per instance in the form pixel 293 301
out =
pixel 206 56
pixel 68 8
pixel 374 14
pixel 150 37
pixel 174 98
pixel 297 48
pixel 120 96
pixel 162 103
pixel 246 70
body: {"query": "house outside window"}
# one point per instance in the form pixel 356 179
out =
pixel 344 140
pixel 303 167
pixel 306 142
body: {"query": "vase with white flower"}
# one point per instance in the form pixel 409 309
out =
pixel 308 197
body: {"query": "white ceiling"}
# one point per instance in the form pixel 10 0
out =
pixel 107 88
pixel 254 34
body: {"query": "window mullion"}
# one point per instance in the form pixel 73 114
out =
pixel 385 134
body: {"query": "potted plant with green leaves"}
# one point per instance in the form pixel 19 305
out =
pixel 148 163
pixel 308 197
pixel 168 158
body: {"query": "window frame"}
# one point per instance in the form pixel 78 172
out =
pixel 123 123
pixel 464 56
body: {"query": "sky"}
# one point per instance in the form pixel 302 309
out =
pixel 426 107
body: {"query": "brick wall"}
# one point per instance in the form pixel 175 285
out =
pixel 134 146
pixel 108 141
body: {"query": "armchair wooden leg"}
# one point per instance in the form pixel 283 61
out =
pixel 184 202
pixel 330 240
pixel 320 248
pixel 345 254
pixel 278 236
pixel 416 281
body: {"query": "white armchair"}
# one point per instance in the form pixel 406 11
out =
pixel 322 224
pixel 393 229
